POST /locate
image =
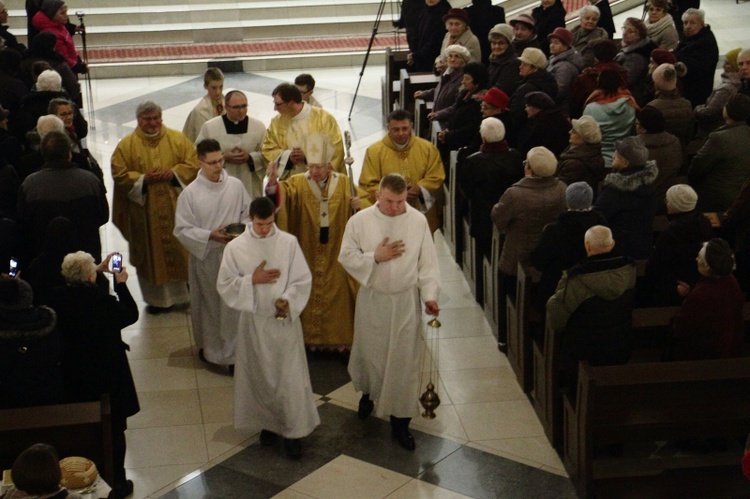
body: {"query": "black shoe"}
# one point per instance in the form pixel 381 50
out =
pixel 404 438
pixel 267 438
pixel 293 447
pixel 365 406
pixel 154 310
pixel 202 357
pixel 124 489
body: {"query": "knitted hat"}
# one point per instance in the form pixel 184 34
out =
pixel 665 77
pixel 563 35
pixel 579 195
pixel 731 58
pixel 539 100
pixel 460 51
pixel 15 294
pixel 718 256
pixel 633 150
pixel 661 56
pixel 50 7
pixel 503 30
pixel 651 118
pixel 534 56
pixel 605 50
pixel 459 14
pixel 492 130
pixel 682 198
pixel 541 161
pixel 638 25
pixel 525 19
pixel 588 128
pixel 496 98
pixel 738 107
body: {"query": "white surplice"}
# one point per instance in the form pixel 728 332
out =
pixel 385 358
pixel 202 207
pixel 272 387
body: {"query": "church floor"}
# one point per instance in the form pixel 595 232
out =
pixel 486 440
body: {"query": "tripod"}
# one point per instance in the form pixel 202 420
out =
pixel 87 74
pixel 375 27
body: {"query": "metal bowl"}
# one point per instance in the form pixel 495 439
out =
pixel 234 230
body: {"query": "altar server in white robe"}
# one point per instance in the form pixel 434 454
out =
pixel 265 276
pixel 388 248
pixel 206 206
pixel 240 137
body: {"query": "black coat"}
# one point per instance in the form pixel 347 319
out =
pixel 464 121
pixel 546 22
pixel 484 16
pixel 548 129
pixel 583 163
pixel 93 358
pixel 700 53
pixel 428 39
pixel 538 81
pixel 503 71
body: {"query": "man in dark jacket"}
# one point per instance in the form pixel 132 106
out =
pixel 534 78
pixel 593 305
pixel 483 17
pixel 61 189
pixel 700 53
pixel 424 46
pixel 547 126
pixel 628 198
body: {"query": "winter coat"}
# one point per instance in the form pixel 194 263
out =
pixel 678 114
pixel 503 71
pixel 484 16
pixel 615 122
pixel 583 163
pixel 429 36
pixel 665 149
pixel 561 247
pixel 549 129
pixel 635 58
pixel 583 42
pixel 93 357
pixel 464 118
pixel 538 81
pixel 593 306
pixel 673 258
pixel 547 20
pixel 522 212
pixel 586 83
pixel 709 324
pixel 565 68
pixel 467 40
pixel 519 46
pixel 445 94
pixel 663 33
pixel 700 53
pixel 709 115
pixel 628 202
pixel 720 167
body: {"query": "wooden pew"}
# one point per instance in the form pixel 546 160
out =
pixel 421 123
pixel 395 60
pixel 652 402
pixel 492 282
pixel 81 429
pixel 518 318
pixel 471 259
pixel 410 83
pixel 451 224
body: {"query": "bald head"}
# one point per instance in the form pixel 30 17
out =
pixel 598 240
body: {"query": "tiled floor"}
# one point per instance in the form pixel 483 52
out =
pixel 486 440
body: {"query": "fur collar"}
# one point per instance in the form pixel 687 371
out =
pixel 631 179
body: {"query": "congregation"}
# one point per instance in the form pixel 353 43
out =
pixel 570 144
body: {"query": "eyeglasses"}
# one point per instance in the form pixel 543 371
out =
pixel 213 163
pixel 237 108
pixel 279 104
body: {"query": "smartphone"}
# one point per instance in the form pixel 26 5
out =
pixel 13 271
pixel 116 262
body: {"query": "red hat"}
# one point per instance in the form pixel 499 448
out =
pixel 661 56
pixel 459 14
pixel 496 98
pixel 563 35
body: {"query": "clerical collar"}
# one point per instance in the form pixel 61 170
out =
pixel 304 113
pixel 256 236
pixel 233 128
pixel 401 147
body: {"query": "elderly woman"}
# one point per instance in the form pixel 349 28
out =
pixel 424 45
pixel 458 33
pixel 613 107
pixel 534 77
pixel 709 115
pixel 677 111
pixel 53 17
pixel 673 258
pixel 635 52
pixel 503 66
pixel 35 104
pixel 524 34
pixel 565 63
pixel 548 16
pixel 444 95
pixel 660 25
pixel 709 324
pixel 586 33
pixel 663 147
pixel 582 160
pixel 93 360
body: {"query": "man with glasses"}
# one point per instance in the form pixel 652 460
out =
pixel 240 137
pixel 150 167
pixel 285 138
pixel 204 209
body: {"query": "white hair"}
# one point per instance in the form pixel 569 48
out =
pixel 77 267
pixel 599 238
pixel 590 8
pixel 49 80
pixel 49 123
pixel 699 13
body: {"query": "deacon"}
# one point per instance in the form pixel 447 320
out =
pixel 204 209
pixel 150 167
pixel 240 137
pixel 264 275
pixel 315 207
pixel 388 248
pixel 285 138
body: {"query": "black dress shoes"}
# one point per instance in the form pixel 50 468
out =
pixel 400 431
pixel 365 406
pixel 293 447
pixel 268 438
pixel 123 489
